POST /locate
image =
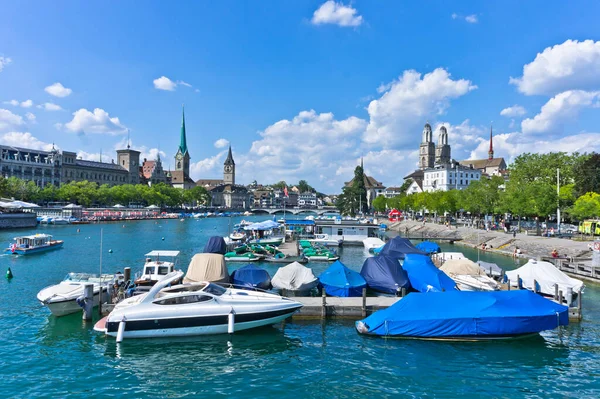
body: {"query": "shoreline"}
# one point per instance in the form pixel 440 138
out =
pixel 497 242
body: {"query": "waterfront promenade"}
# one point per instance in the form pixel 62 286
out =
pixel 496 241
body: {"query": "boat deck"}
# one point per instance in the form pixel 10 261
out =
pixel 290 248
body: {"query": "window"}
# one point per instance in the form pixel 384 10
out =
pixel 461 182
pixel 214 289
pixel 185 299
pixel 163 270
pixel 149 270
pixel 123 162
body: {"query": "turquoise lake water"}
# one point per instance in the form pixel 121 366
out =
pixel 44 356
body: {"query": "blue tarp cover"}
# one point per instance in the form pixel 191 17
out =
pixel 290 222
pixel 251 276
pixel 467 314
pixel 398 247
pixel 266 225
pixel 428 247
pixel 383 273
pixel 338 280
pixel 424 276
pixel 215 245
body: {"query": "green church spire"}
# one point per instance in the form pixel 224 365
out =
pixel 183 142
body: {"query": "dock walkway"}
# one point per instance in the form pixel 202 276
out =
pixel 356 307
pixel 290 248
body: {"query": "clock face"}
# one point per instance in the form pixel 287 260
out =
pixel 178 156
pixel 227 168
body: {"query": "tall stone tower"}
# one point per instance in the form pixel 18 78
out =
pixel 427 149
pixel 229 169
pixel 182 158
pixel 130 160
pixel 442 150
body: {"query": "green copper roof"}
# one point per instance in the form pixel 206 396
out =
pixel 183 143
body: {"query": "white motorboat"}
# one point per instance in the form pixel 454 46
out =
pixel 193 309
pixel 61 220
pixel 325 239
pixel 61 298
pixel 468 275
pixel 237 235
pixel 158 264
pixel 372 242
pixel 33 244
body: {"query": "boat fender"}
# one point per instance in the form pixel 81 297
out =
pixel 81 301
pixel 231 322
pixel 121 329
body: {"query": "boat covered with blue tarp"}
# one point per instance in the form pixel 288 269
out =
pixel 215 245
pixel 424 276
pixel 467 315
pixel 252 277
pixel 384 274
pixel 399 247
pixel 428 247
pixel 338 280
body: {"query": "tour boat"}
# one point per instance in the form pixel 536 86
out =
pixel 61 298
pixel 33 244
pixel 158 264
pixel 194 309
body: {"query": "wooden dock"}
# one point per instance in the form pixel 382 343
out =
pixel 354 308
pixel 290 248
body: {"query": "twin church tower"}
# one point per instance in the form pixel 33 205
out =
pixel 429 153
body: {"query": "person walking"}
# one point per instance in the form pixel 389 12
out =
pixel 514 233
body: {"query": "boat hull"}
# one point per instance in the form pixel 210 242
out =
pixel 28 251
pixel 66 307
pixel 242 259
pixel 190 326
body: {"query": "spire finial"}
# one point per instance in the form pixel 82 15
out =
pixel 361 164
pixel 491 151
pixel 128 139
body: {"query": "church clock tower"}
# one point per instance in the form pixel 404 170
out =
pixel 229 169
pixel 182 158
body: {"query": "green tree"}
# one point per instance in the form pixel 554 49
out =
pixel 280 185
pixel 304 187
pixel 379 203
pixel 587 174
pixel 587 206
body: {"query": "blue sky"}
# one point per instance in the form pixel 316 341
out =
pixel 301 89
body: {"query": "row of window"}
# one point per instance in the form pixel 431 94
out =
pixel 95 176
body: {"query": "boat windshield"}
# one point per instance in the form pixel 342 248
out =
pixel 214 289
pixel 149 270
pixel 163 270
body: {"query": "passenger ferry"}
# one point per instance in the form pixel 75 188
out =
pixel 33 244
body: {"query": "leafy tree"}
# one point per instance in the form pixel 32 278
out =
pixel 347 202
pixel 587 206
pixel 380 203
pixel 587 174
pixel 405 185
pixel 280 185
pixel 304 187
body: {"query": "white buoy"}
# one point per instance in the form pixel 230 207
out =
pixel 121 330
pixel 231 322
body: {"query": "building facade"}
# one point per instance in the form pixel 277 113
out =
pixel 449 176
pixel 229 194
pixel 153 172
pixel 41 167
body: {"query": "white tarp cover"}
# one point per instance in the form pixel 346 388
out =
pixel 207 267
pixel 546 275
pixel 294 277
pixel 461 267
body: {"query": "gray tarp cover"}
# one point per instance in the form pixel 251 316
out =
pixel 207 267
pixel 294 277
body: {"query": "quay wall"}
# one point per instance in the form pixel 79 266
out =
pixel 17 220
pixel 496 241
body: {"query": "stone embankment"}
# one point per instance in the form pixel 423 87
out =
pixel 17 220
pixel 496 241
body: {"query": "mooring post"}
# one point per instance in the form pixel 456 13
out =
pixel 403 291
pixel 579 295
pixel 534 286
pixel 88 301
pixel 569 297
pixel 324 307
pixel 560 297
pixel 555 292
pixel 508 284
pixel 364 302
pixel 127 275
pixel 519 282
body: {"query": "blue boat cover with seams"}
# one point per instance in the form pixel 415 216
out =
pixel 467 314
pixel 338 280
pixel 398 247
pixel 383 273
pixel 251 276
pixel 424 276
pixel 215 245
pixel 428 247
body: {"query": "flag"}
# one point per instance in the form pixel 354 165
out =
pixel 285 191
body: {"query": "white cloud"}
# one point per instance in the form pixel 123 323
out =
pixel 559 109
pixel 164 83
pixel 567 66
pixel 510 145
pixel 24 140
pixel 89 156
pixel 8 119
pixel 181 82
pixel 209 167
pixel 4 61
pixel 472 19
pixel 335 13
pixel 407 102
pixel 50 107
pixel 58 90
pixel 30 117
pixel 461 137
pixel 514 111
pixel 99 121
pixel 27 104
pixel 221 143
pixel 11 102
